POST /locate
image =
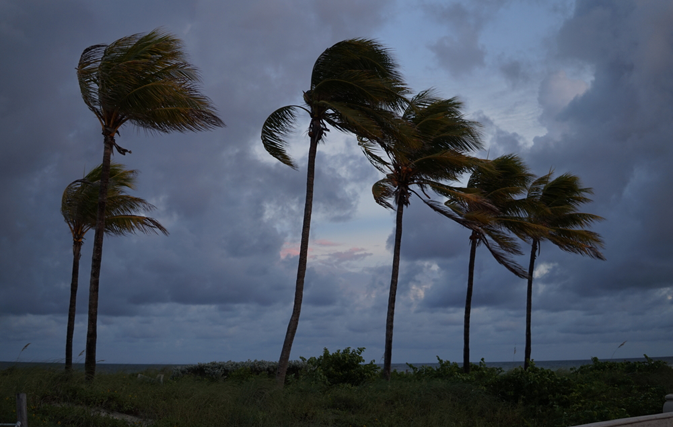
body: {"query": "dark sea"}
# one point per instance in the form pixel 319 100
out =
pixel 135 368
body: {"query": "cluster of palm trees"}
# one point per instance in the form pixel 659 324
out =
pixel 423 144
pixel 143 79
pixel 79 207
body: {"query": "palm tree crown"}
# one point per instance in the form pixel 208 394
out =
pixel 354 86
pixel 499 184
pixel 80 201
pixel 144 79
pixel 553 203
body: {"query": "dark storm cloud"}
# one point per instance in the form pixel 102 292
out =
pixel 613 130
pixel 460 51
pixel 501 142
pixel 514 71
pixel 616 136
pixel 428 235
pixel 221 284
pixel 221 205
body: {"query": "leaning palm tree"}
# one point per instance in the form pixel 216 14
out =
pixel 78 207
pixel 354 85
pixel 552 207
pixel 145 80
pixel 500 183
pixel 425 149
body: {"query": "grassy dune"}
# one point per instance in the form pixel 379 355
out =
pixel 319 395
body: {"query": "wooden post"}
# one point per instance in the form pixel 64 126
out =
pixel 21 409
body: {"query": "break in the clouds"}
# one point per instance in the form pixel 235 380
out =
pixel 581 87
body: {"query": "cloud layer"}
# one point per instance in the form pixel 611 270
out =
pixel 584 89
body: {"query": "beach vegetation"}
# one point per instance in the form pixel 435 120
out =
pixel 439 395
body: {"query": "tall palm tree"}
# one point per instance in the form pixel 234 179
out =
pixel 500 183
pixel 78 207
pixel 552 207
pixel 145 80
pixel 426 149
pixel 353 86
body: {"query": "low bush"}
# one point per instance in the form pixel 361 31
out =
pixel 341 367
pixel 236 370
pixel 339 389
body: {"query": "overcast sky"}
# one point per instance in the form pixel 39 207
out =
pixel 581 87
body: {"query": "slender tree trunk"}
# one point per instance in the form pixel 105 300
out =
pixel 390 317
pixel 468 304
pixel 316 134
pixel 92 332
pixel 529 304
pixel 76 255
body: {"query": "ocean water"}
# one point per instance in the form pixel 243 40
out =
pixel 554 365
pixel 402 367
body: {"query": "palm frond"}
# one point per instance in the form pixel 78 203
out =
pixel 371 152
pixel 79 204
pixel 446 211
pixel 552 204
pixel 500 254
pixel 384 192
pixel 275 130
pixel 125 224
pixel 87 76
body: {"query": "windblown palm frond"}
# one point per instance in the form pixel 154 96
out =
pixel 553 203
pixel 500 182
pixel 354 84
pixel 144 79
pixel 79 204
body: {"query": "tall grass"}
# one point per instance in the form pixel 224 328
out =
pixel 441 396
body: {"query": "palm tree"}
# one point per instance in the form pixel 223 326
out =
pixel 145 80
pixel 499 182
pixel 353 85
pixel 426 149
pixel 78 207
pixel 552 207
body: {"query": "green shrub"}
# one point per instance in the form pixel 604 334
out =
pixel 446 370
pixel 534 386
pixel 236 370
pixel 341 367
pixel 648 366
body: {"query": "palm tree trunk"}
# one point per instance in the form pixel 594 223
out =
pixel 76 255
pixel 529 304
pixel 316 134
pixel 388 354
pixel 92 333
pixel 468 304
